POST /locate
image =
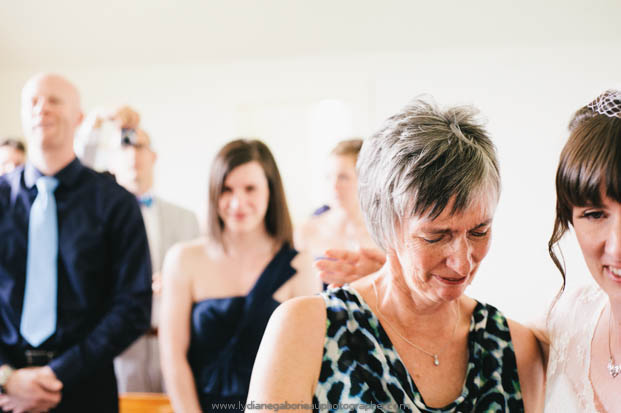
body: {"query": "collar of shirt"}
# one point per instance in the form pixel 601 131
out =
pixel 66 176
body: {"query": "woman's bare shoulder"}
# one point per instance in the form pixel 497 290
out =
pixel 288 363
pixel 312 308
pixel 185 258
pixel 298 321
pixel 188 249
pixel 527 348
pixel 520 334
pixel 530 364
pixel 301 317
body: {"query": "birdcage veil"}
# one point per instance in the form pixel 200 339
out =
pixel 608 103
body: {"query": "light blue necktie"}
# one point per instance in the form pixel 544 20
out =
pixel 39 312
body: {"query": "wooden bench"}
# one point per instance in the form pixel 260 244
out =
pixel 144 403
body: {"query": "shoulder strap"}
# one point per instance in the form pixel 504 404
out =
pixel 275 274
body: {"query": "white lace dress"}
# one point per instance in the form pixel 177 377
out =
pixel 570 328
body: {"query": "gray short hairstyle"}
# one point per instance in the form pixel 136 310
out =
pixel 419 159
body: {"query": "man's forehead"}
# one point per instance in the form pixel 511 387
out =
pixel 49 85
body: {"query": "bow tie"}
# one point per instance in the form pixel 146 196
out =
pixel 145 201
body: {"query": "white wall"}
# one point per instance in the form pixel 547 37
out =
pixel 527 93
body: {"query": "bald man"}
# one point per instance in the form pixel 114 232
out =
pixel 62 324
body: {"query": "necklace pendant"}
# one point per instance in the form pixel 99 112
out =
pixel 613 369
pixel 436 361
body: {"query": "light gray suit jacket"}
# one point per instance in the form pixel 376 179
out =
pixel 138 368
pixel 176 224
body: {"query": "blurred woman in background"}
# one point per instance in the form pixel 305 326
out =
pixel 340 224
pixel 220 291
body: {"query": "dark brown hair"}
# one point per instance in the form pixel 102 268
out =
pixel 13 143
pixel 233 154
pixel 590 164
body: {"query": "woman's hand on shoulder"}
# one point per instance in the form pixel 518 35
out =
pixel 531 370
pixel 338 267
pixel 288 363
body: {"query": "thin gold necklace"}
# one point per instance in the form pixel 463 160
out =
pixel 613 369
pixel 434 356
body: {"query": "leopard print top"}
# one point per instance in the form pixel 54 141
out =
pixel 361 371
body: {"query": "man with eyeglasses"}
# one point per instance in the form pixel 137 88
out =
pixel 133 163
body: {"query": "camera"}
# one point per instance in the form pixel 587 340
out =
pixel 128 137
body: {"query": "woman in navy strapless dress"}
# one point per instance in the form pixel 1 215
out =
pixel 220 291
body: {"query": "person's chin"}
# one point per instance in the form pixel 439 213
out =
pixel 49 142
pixel 46 131
pixel 240 225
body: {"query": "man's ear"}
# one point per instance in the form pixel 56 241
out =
pixel 80 119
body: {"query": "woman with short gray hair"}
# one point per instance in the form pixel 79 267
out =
pixel 407 338
pixel 421 159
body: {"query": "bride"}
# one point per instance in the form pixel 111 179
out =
pixel 583 329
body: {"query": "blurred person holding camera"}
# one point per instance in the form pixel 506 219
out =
pixel 132 161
